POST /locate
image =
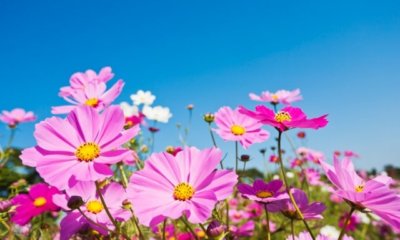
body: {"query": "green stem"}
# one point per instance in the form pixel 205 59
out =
pixel 8 148
pixel 214 142
pixel 236 156
pixel 136 224
pixel 93 222
pixel 163 229
pixel 203 228
pixel 292 227
pixel 267 218
pixel 106 208
pixel 227 214
pixel 283 173
pixel 123 175
pixel 346 223
pixel 189 227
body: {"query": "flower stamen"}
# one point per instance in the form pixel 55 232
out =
pixel 282 116
pixel 94 206
pixel 39 202
pixel 238 130
pixel 183 192
pixel 92 102
pixel 87 152
pixel 264 194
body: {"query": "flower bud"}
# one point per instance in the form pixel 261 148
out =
pixel 209 117
pixel 190 107
pixel 75 202
pixel 215 229
pixel 245 158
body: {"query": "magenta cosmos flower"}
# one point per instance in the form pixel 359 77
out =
pixel 285 119
pixel 186 184
pixel 114 195
pixel 234 126
pixel 374 195
pixel 88 91
pixel 36 202
pixel 16 116
pixel 263 192
pixel 281 96
pixel 80 80
pixel 309 210
pixel 80 147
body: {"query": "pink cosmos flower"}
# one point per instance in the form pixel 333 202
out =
pixel 80 80
pixel 354 220
pixel 114 195
pixel 254 209
pixel 17 115
pixel 273 158
pixel 185 184
pixel 281 96
pixel 245 230
pixel 88 92
pixel 373 194
pixel 36 202
pixel 263 192
pixel 310 155
pixel 234 126
pixel 285 119
pixel 312 176
pixel 238 215
pixel 296 163
pixel 80 147
pixel 310 211
pixel 306 236
pixel 351 154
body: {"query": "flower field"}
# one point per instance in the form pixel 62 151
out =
pixel 94 174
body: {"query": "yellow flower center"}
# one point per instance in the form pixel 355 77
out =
pixel 200 234
pixel 282 117
pixel 87 152
pixel 40 201
pixel 264 194
pixel 359 188
pixel 94 206
pixel 93 102
pixel 238 130
pixel 275 98
pixel 183 192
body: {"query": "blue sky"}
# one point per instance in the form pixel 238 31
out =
pixel 343 55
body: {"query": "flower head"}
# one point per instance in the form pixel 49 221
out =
pixel 373 194
pixel 309 210
pixel 234 126
pixel 114 195
pixel 16 116
pixel 141 97
pixel 158 113
pixel 80 147
pixel 185 184
pixel 132 115
pixel 36 202
pixel 89 90
pixel 263 192
pixel 351 225
pixel 281 96
pixel 285 119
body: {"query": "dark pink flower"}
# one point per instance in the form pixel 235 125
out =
pixel 263 192
pixel 285 119
pixel 36 202
pixel 354 220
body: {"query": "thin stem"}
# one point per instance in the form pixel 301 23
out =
pixel 203 228
pixel 292 228
pixel 123 175
pixel 106 208
pixel 227 215
pixel 189 227
pixel 267 218
pixel 288 187
pixel 346 223
pixel 214 142
pixel 12 135
pixel 163 229
pixel 136 224
pixel 236 156
pixel 93 222
pixel 7 149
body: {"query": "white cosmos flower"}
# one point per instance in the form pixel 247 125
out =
pixel 129 110
pixel 290 175
pixel 330 231
pixel 158 113
pixel 142 97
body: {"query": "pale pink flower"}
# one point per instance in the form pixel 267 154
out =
pixel 16 116
pixel 281 96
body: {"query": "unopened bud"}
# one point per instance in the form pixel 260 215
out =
pixel 209 117
pixel 245 158
pixel 190 107
pixel 215 229
pixel 75 202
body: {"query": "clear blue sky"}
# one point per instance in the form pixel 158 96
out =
pixel 344 55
